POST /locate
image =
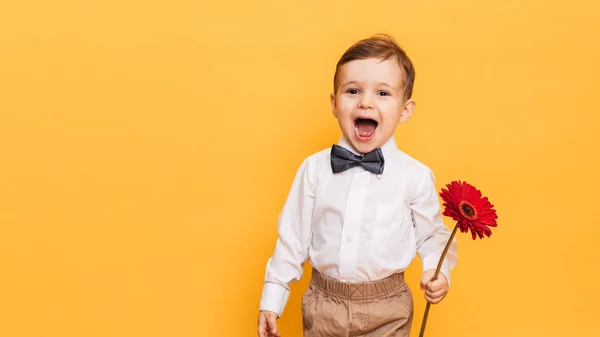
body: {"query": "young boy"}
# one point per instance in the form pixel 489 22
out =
pixel 360 211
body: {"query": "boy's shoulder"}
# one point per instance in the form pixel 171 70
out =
pixel 408 171
pixel 319 160
pixel 409 163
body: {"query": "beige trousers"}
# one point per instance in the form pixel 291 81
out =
pixel 382 308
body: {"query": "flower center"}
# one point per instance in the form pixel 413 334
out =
pixel 468 210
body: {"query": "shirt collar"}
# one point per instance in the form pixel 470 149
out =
pixel 387 148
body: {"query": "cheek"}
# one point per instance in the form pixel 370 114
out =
pixel 391 111
pixel 345 108
pixel 391 120
pixel 389 105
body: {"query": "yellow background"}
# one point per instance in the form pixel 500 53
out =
pixel 146 149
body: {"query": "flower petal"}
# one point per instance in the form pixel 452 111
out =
pixel 459 192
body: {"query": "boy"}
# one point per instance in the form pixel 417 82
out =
pixel 360 211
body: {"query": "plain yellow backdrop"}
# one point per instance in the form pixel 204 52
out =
pixel 147 147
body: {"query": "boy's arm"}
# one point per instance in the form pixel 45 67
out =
pixel 431 233
pixel 291 249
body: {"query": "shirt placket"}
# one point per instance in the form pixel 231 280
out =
pixel 350 240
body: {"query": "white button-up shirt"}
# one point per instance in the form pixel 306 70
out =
pixel 356 226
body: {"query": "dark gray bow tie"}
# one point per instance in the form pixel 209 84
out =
pixel 343 159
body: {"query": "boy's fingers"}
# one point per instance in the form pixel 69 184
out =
pixel 272 324
pixel 432 300
pixel 425 280
pixel 435 285
pixel 435 294
pixel 438 284
pixel 262 326
pixel 434 290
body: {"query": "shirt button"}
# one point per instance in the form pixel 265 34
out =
pixel 349 237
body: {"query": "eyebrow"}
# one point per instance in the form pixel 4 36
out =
pixel 351 82
pixel 377 83
pixel 385 84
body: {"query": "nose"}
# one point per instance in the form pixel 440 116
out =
pixel 365 102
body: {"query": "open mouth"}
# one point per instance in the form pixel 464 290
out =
pixel 364 128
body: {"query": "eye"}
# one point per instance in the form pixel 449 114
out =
pixel 352 91
pixel 384 93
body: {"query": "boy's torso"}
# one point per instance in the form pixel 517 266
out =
pixel 362 223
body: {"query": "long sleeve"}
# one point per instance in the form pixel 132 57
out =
pixel 285 266
pixel 431 233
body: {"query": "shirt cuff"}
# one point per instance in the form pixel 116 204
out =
pixel 274 298
pixel 431 262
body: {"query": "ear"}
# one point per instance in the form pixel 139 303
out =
pixel 409 107
pixel 333 105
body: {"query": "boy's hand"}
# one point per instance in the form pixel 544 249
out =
pixel 436 290
pixel 267 324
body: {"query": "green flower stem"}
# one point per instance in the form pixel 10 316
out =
pixel 435 276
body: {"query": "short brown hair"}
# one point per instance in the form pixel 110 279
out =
pixel 380 46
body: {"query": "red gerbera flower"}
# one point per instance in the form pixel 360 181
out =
pixel 465 204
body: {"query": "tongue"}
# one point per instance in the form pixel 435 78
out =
pixel 366 127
